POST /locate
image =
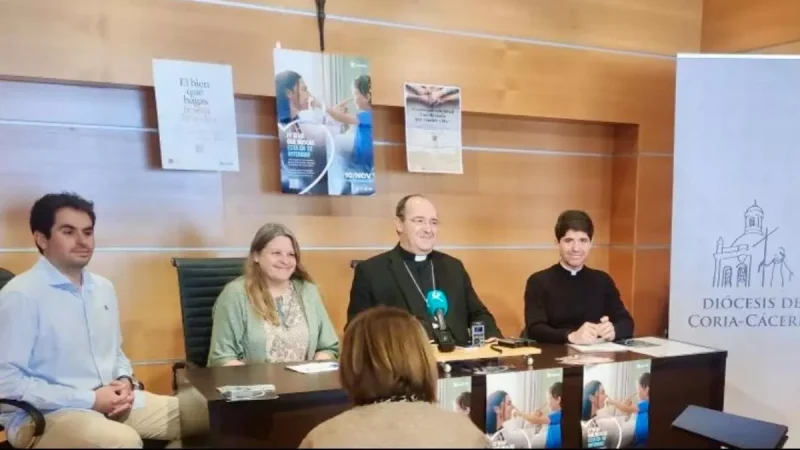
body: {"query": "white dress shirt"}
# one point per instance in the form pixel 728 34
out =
pixel 58 342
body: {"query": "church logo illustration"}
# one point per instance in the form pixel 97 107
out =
pixel 753 258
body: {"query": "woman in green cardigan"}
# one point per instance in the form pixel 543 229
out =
pixel 274 312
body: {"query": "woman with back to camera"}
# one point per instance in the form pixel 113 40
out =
pixel 388 369
pixel 274 311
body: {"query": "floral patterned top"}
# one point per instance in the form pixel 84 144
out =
pixel 288 341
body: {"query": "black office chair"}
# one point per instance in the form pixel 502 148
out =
pixel 200 281
pixel 38 418
pixel 5 277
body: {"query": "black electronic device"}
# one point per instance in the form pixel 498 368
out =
pixel 730 430
pixel 515 342
pixel 444 341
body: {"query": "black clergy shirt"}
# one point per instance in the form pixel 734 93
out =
pixel 558 303
pixel 420 268
pixel 384 280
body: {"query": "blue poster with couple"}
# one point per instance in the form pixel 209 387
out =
pixel 615 408
pixel 325 123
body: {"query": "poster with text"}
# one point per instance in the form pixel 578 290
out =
pixel 455 394
pixel 734 281
pixel 523 409
pixel 196 115
pixel 324 114
pixel 615 408
pixel 433 128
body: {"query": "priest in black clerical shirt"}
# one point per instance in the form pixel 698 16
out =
pixel 569 302
pixel 403 276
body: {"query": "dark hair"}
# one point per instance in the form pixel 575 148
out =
pixel 495 400
pixel 574 220
pixel 464 400
pixel 363 85
pixel 43 212
pixel 376 365
pixel 589 390
pixel 400 209
pixel 644 380
pixel 556 389
pixel 286 80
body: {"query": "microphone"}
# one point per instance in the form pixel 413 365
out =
pixel 436 303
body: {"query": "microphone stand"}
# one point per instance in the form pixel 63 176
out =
pixel 445 342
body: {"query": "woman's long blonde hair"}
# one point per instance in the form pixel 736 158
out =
pixel 255 282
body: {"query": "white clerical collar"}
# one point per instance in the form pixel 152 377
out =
pixel 569 269
pixel 419 258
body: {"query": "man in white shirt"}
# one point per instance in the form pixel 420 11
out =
pixel 62 348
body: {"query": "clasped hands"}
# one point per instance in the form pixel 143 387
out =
pixel 114 399
pixel 589 332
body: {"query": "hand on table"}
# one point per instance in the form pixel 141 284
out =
pixel 605 329
pixel 586 334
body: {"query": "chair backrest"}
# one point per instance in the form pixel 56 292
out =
pixel 200 281
pixel 5 277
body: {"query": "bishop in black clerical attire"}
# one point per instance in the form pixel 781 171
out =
pixel 569 302
pixel 403 276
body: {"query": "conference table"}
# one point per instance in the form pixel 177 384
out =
pixel 678 379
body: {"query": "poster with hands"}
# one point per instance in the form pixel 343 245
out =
pixel 433 128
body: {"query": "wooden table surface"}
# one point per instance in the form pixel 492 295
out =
pixel 305 400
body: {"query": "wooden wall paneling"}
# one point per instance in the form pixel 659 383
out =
pixel 502 199
pixel 621 268
pixel 157 378
pixel 77 104
pixel 731 26
pixel 519 132
pixel 138 204
pixel 17 262
pixel 651 291
pixel 624 185
pixel 186 209
pixel 791 48
pixel 654 200
pixel 109 106
pixel 653 228
pixel 665 27
pixel 502 77
pixel 104 163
